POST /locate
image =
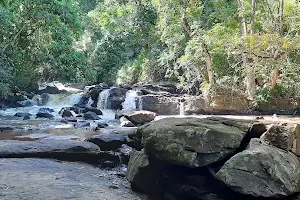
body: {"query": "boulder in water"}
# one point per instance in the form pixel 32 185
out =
pixel 140 117
pixel 76 109
pixel 91 116
pixel 44 115
pixel 26 117
pixel 21 114
pixel 125 122
pixel 160 104
pixel 94 110
pixel 68 113
pixel 262 171
pixel 108 142
pixel 69 119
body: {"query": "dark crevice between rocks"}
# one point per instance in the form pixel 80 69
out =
pixel 254 131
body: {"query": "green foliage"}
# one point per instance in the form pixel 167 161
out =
pixel 5 78
pixel 130 41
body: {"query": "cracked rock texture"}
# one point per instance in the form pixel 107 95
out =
pixel 262 171
pixel 193 142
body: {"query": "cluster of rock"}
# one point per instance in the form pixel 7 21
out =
pixel 163 99
pixel 215 158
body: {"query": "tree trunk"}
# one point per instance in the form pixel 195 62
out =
pixel 205 52
pixel 281 17
pixel 209 64
pixel 274 80
pixel 248 66
pixel 253 11
pixel 250 81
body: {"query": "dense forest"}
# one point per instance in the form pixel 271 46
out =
pixel 244 45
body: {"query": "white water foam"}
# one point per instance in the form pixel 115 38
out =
pixel 56 102
pixel 103 102
pixel 131 101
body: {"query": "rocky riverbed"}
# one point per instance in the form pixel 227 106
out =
pixel 111 142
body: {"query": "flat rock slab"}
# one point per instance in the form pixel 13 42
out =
pixel 68 149
pixel 35 179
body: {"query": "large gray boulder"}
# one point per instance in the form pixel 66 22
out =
pixel 262 171
pixel 124 122
pixel 193 142
pixel 90 116
pixel 140 117
pixel 194 105
pixel 160 104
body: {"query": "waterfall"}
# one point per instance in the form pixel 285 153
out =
pixel 131 101
pixel 103 102
pixel 140 103
pixel 64 99
pixel 181 108
pixel 90 102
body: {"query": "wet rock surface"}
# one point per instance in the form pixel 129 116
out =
pixel 37 179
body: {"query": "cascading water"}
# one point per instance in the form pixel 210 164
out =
pixel 55 101
pixel 90 102
pixel 132 101
pixel 103 102
pixel 181 109
pixel 63 100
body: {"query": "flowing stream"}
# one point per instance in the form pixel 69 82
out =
pixel 37 128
